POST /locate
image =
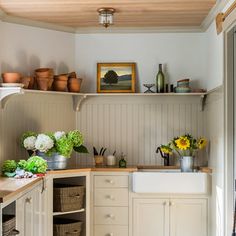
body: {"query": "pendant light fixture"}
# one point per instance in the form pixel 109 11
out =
pixel 106 16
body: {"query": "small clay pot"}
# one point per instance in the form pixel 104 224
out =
pixel 31 83
pixel 43 83
pixel 11 77
pixel 62 77
pixel 60 85
pixel 72 75
pixel 50 82
pixel 74 85
pixel 44 72
pixel 25 81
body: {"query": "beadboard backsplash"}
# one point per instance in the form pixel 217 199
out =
pixel 40 113
pixel 136 125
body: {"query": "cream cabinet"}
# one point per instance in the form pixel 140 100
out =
pixel 31 212
pixel 150 217
pixel 110 204
pixel 169 217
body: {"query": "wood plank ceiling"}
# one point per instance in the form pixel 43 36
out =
pixel 130 13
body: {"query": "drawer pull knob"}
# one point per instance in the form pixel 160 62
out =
pixel 28 200
pixel 164 203
pixel 172 203
pixel 110 197
pixel 111 216
pixel 110 234
pixel 110 181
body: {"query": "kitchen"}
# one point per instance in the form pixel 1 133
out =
pixel 134 124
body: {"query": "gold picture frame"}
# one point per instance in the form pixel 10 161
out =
pixel 116 77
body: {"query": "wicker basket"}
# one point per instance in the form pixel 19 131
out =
pixel 68 197
pixel 8 225
pixel 66 227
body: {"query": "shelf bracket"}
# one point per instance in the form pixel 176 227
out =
pixel 77 101
pixel 203 102
pixel 7 93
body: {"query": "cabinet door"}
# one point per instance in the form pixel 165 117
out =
pixel 31 213
pixel 24 214
pixel 188 217
pixel 150 217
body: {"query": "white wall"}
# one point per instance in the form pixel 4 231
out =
pixel 25 48
pixel 214 112
pixel 215 58
pixel 184 55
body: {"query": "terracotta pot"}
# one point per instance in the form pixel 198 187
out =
pixel 44 72
pixel 31 83
pixel 60 85
pixel 11 77
pixel 25 81
pixel 62 77
pixel 50 82
pixel 72 75
pixel 74 85
pixel 43 83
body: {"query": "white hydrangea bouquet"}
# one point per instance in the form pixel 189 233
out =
pixel 58 142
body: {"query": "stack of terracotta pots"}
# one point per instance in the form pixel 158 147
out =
pixel 74 83
pixel 60 82
pixel 44 78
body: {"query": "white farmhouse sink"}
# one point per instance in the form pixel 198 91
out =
pixel 170 182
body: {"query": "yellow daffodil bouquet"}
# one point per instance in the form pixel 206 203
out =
pixel 184 145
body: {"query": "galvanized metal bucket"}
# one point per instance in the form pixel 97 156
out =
pixel 55 161
pixel 186 163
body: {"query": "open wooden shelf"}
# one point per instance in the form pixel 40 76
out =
pixel 78 98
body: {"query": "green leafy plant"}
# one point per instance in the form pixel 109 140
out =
pixel 22 164
pixel 36 164
pixel 58 142
pixel 9 166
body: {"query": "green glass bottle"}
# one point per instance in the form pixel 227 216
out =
pixel 160 80
pixel 122 162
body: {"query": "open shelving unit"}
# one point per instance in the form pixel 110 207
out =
pixel 79 98
pixel 79 214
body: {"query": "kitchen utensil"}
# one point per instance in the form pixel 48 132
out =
pixel 95 152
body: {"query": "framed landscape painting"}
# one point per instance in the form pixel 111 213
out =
pixel 116 77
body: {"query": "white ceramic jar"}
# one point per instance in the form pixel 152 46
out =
pixel 111 160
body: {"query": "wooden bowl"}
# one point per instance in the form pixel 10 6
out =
pixel 11 77
pixel 44 72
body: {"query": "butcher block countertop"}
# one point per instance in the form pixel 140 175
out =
pixel 10 187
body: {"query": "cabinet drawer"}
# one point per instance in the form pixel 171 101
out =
pixel 111 215
pixel 111 197
pixel 112 230
pixel 110 181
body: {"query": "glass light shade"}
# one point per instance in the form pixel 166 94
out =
pixel 106 17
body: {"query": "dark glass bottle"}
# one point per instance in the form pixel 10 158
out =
pixel 160 80
pixel 122 162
